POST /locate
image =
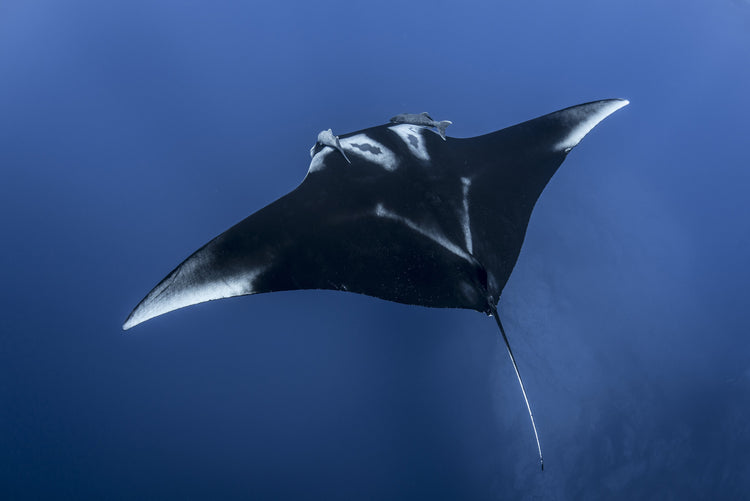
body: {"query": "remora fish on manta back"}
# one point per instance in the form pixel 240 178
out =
pixel 395 211
pixel 423 118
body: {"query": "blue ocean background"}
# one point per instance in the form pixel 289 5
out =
pixel 133 132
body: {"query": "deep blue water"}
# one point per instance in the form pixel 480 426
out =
pixel 133 132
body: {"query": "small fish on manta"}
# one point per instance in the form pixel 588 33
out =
pixel 423 118
pixel 326 138
pixel 400 215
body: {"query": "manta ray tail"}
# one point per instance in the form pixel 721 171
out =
pixel 520 381
pixel 441 126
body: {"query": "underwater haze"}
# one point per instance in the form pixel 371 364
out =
pixel 133 132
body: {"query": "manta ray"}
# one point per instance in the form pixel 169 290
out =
pixel 398 211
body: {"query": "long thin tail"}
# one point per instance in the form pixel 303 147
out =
pixel 493 310
pixel 441 126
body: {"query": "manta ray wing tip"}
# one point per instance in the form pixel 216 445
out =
pixel 584 118
pixel 621 103
pixel 133 319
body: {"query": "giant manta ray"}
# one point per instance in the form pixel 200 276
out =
pixel 396 211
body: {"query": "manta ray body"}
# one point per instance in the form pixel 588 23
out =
pixel 397 211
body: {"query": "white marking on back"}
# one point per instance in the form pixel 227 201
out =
pixel 586 122
pixel 433 235
pixel 371 150
pixel 465 222
pixel 411 135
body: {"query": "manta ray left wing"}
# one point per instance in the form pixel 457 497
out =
pixel 412 219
